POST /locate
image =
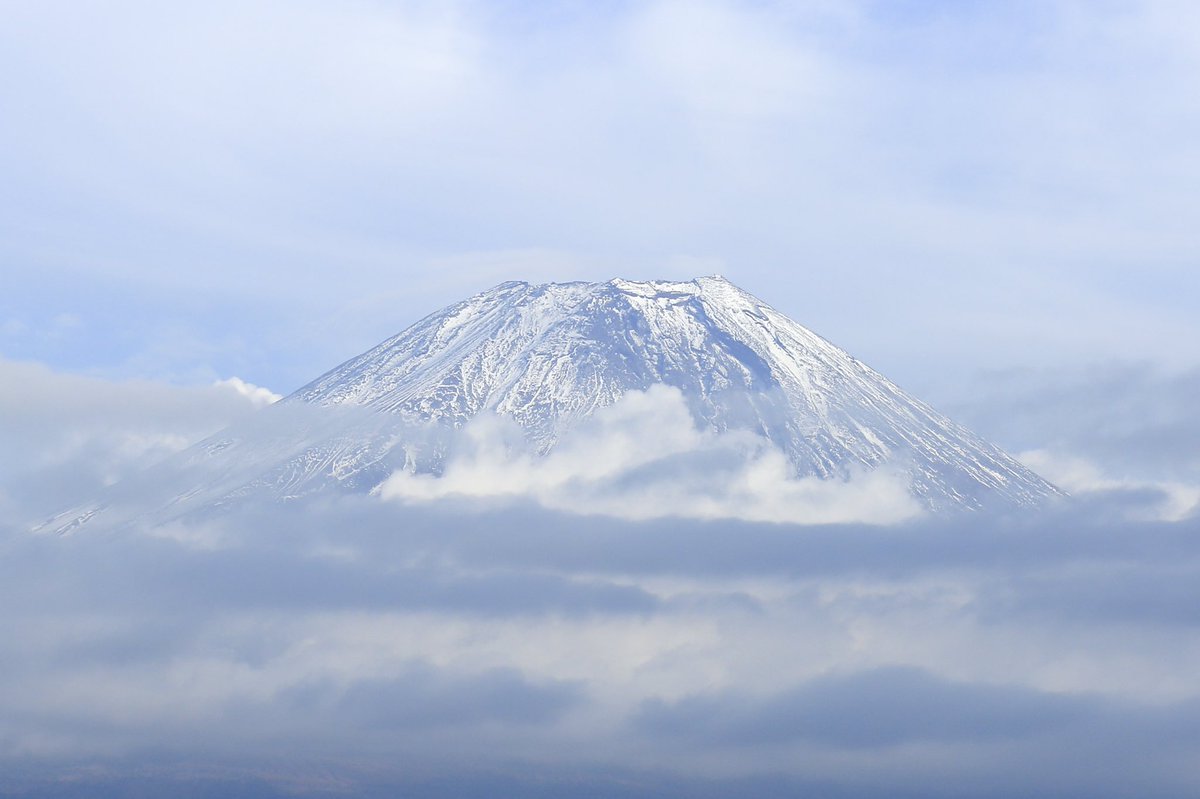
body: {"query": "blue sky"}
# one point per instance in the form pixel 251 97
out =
pixel 264 189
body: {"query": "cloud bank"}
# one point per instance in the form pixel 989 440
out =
pixel 1114 427
pixel 373 647
pixel 454 645
pixel 64 437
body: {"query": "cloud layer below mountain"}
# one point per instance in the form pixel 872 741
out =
pixel 399 647
pixel 482 641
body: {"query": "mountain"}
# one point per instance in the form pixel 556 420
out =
pixel 548 356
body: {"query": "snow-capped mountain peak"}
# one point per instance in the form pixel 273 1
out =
pixel 549 355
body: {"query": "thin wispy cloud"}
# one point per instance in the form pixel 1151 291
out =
pixel 941 170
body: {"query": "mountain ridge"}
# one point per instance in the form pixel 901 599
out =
pixel 548 357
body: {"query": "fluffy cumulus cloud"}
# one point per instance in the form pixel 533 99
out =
pixel 258 396
pixel 645 458
pixel 513 630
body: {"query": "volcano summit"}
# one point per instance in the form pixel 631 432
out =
pixel 547 357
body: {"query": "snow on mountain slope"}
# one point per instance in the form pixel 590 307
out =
pixel 549 355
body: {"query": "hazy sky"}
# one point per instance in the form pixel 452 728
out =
pixel 992 202
pixel 202 190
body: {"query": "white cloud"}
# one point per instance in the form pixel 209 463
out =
pixel 260 397
pixel 1081 476
pixel 64 436
pixel 644 458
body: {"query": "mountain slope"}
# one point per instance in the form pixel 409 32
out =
pixel 549 355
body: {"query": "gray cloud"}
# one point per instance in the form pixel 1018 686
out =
pixel 65 436
pixel 1115 592
pixel 1133 419
pixel 883 707
pixel 495 642
pixel 480 645
pixel 422 698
